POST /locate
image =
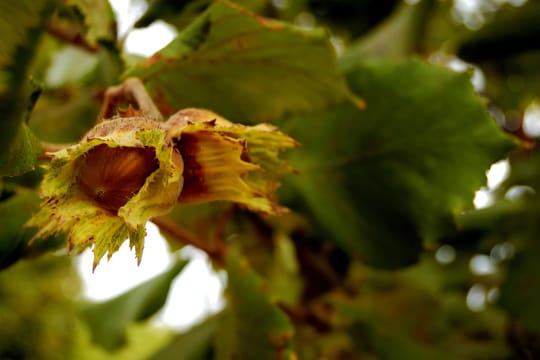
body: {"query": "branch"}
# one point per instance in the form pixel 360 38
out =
pixel 70 35
pixel 307 315
pixel 132 89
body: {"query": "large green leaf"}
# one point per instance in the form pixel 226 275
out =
pixel 22 23
pixel 244 67
pixel 382 180
pixel 254 327
pixel 108 320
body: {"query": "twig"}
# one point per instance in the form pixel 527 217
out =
pixel 132 89
pixel 70 35
pixel 50 148
pixel 217 253
pixel 306 315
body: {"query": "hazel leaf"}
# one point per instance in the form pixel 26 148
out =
pixel 383 181
pixel 244 66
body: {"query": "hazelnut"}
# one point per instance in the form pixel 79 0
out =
pixel 112 175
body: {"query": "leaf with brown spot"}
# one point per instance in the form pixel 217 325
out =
pixel 245 67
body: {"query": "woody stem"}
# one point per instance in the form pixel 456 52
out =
pixel 132 90
pixel 50 148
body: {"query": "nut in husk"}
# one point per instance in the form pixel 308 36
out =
pixel 127 170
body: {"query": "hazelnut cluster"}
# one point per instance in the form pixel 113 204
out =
pixel 132 167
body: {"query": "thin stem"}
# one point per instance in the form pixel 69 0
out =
pixel 132 89
pixel 70 35
pixel 50 148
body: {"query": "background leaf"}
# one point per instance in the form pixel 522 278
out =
pixel 382 180
pixel 521 304
pixel 510 33
pixel 37 310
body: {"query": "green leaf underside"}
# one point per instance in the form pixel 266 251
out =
pixel 243 66
pixel 68 210
pixel 261 330
pixel 385 179
pixel 108 320
pixel 24 21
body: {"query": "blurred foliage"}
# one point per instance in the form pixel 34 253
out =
pixel 37 311
pixel 381 254
pixel 108 320
pixel 15 209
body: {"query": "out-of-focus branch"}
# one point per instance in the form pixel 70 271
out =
pixel 307 315
pixel 70 35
